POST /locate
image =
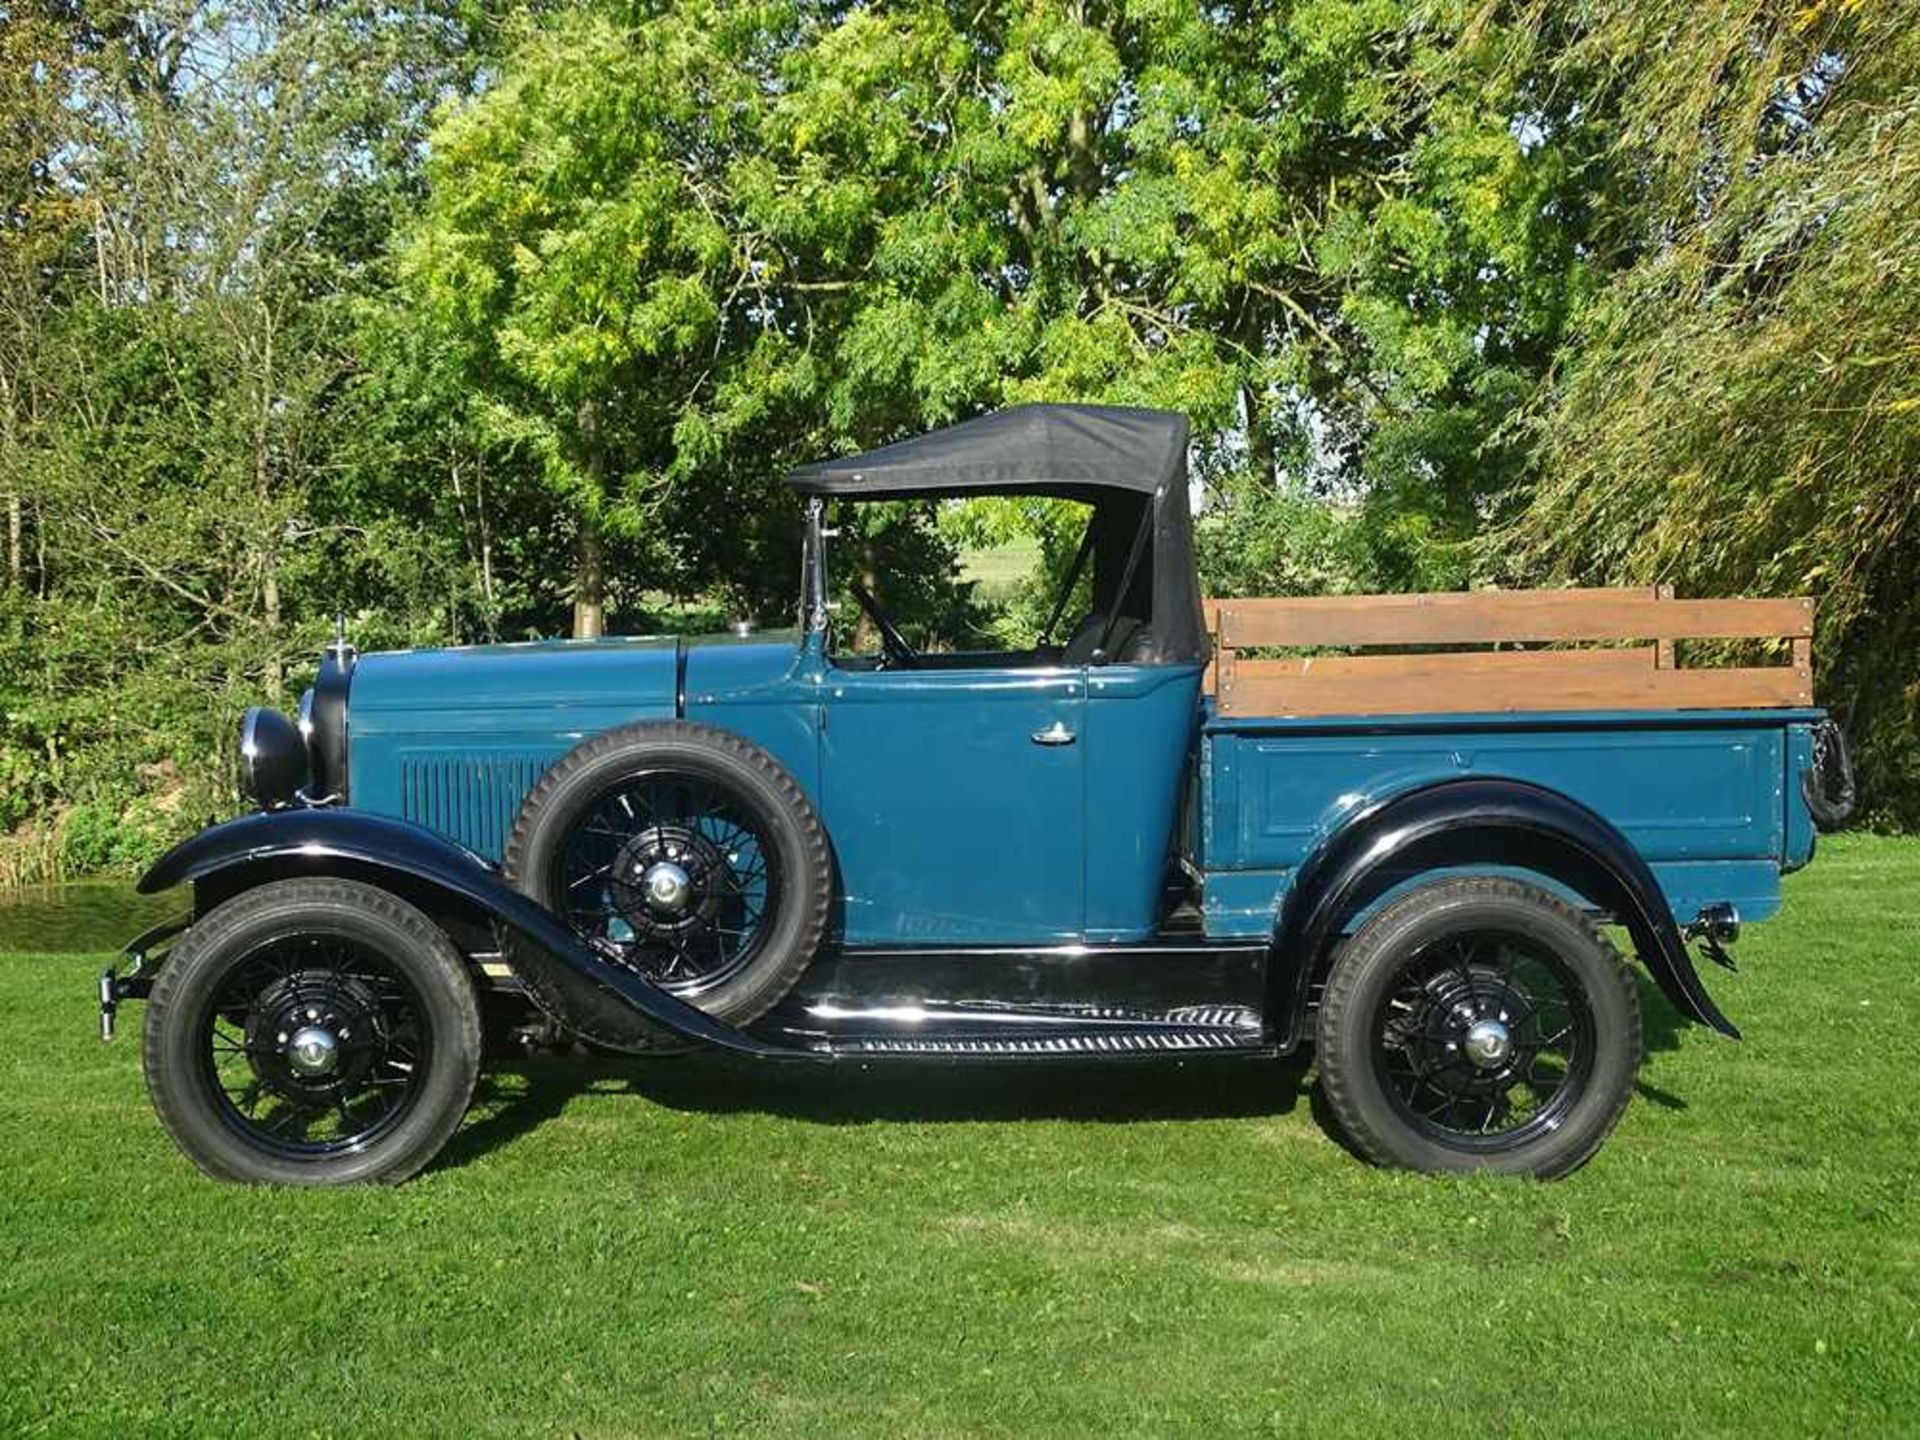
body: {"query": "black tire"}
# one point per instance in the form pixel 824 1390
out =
pixel 399 1087
pixel 1470 993
pixel 548 856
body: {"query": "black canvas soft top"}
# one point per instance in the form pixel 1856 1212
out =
pixel 1055 449
pixel 1130 464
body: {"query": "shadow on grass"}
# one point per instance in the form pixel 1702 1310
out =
pixel 1661 1027
pixel 1660 1024
pixel 516 1096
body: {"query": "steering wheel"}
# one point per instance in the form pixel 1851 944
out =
pixel 892 642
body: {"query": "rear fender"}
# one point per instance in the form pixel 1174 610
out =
pixel 1474 822
pixel 376 848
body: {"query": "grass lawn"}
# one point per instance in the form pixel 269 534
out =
pixel 673 1247
pixel 1000 570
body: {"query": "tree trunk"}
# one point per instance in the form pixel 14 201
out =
pixel 16 517
pixel 1259 438
pixel 589 585
pixel 270 608
pixel 486 547
pixel 263 488
pixel 590 576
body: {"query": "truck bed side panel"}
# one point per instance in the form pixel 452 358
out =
pixel 1703 796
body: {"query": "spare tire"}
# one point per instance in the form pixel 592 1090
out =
pixel 683 852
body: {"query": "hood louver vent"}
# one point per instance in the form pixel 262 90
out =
pixel 468 800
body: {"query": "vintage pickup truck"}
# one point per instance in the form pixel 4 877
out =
pixel 1186 828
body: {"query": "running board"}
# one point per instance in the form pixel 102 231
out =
pixel 994 1031
pixel 1170 995
pixel 1171 1040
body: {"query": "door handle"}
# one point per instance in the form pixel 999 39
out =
pixel 1055 734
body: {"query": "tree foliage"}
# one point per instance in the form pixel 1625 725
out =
pixel 473 324
pixel 211 189
pixel 1740 408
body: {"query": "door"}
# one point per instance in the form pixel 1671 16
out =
pixel 954 801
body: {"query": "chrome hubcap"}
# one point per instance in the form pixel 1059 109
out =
pixel 667 887
pixel 1488 1044
pixel 313 1051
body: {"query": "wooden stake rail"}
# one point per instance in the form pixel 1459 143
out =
pixel 1620 677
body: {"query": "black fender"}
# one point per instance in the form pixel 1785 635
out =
pixel 1478 822
pixel 358 845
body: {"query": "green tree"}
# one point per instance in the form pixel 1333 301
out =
pixel 1345 237
pixel 678 245
pixel 40 229
pixel 227 177
pixel 1739 410
pixel 580 265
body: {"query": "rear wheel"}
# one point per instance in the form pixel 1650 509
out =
pixel 312 1032
pixel 1479 1024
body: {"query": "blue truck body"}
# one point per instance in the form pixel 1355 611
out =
pixel 950 827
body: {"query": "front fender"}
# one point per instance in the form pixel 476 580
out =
pixel 1474 822
pixel 320 838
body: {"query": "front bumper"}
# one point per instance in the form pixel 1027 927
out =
pixel 145 950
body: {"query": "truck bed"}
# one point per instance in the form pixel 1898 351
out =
pixel 1698 765
pixel 1483 650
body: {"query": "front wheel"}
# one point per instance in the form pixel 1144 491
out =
pixel 312 1032
pixel 1479 1024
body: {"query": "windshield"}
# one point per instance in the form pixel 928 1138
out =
pixel 993 581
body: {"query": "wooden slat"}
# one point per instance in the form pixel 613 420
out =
pixel 1581 686
pixel 1401 666
pixel 1393 671
pixel 1487 616
pixel 1253 608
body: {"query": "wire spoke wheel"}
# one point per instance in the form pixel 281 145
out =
pixel 312 1031
pixel 1478 1023
pixel 1483 1039
pixel 685 854
pixel 672 875
pixel 314 1045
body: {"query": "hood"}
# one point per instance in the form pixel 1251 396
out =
pixel 582 684
pixel 453 739
pixel 576 682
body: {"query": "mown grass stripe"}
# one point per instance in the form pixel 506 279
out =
pixel 677 1247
